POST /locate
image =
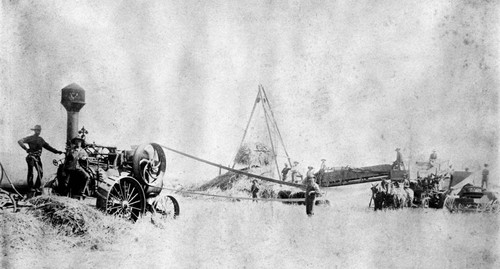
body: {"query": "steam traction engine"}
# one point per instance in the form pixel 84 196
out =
pixel 125 183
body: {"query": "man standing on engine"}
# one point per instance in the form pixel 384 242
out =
pixel 35 145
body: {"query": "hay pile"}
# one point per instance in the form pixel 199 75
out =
pixel 69 216
pixel 77 220
pixel 256 154
pixel 23 231
pixel 223 182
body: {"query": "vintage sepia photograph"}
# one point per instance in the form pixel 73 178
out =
pixel 249 134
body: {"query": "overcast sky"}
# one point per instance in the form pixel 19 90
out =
pixel 348 82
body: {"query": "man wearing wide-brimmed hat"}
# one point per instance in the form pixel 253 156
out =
pixel 35 145
pixel 296 172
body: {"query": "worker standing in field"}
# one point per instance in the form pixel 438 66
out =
pixel 321 171
pixel 35 145
pixel 310 173
pixel 254 190
pixel 484 181
pixel 312 189
pixel 433 157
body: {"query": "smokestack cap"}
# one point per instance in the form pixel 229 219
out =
pixel 73 97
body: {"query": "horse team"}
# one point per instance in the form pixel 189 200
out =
pixel 389 194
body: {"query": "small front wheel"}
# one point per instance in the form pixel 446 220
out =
pixel 165 206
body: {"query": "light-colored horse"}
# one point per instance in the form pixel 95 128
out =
pixel 403 197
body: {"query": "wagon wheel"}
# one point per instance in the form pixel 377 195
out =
pixel 7 202
pixel 495 206
pixel 482 207
pixel 425 202
pixel 126 199
pixel 449 203
pixel 149 164
pixel 165 206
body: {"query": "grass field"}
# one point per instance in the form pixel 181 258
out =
pixel 214 233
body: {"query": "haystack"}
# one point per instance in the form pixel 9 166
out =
pixel 256 154
pixel 73 218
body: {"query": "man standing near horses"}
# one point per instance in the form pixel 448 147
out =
pixel 35 145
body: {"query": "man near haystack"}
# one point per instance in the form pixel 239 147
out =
pixel 321 171
pixel 254 190
pixel 312 189
pixel 75 163
pixel 295 172
pixel 284 172
pixel 35 145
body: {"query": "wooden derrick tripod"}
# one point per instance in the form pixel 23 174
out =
pixel 270 124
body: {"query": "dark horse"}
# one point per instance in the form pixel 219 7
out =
pixel 381 197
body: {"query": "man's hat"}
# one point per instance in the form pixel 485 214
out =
pixel 37 127
pixel 295 162
pixel 397 149
pixel 323 160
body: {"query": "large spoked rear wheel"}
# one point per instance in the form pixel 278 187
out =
pixel 7 202
pixel 164 206
pixel 126 199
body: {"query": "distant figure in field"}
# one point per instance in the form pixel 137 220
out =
pixel 398 164
pixel 310 173
pixel 484 181
pixel 284 172
pixel 312 189
pixel 254 190
pixel 35 145
pixel 433 157
pixel 321 171
pixel 295 172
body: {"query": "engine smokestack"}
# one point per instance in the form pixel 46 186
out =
pixel 73 99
